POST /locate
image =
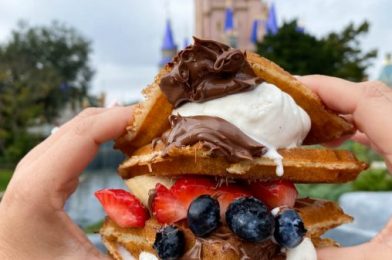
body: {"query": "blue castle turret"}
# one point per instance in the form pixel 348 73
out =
pixel 229 30
pixel 254 32
pixel 229 20
pixel 386 72
pixel 271 25
pixel 169 47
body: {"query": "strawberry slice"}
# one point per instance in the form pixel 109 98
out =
pixel 166 207
pixel 186 189
pixel 227 193
pixel 275 193
pixel 122 207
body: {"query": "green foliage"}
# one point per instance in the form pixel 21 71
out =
pixel 374 180
pixel 324 191
pixel 5 176
pixel 41 69
pixel 336 54
pixel 94 228
pixel 362 152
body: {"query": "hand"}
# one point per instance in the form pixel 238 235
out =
pixel 33 223
pixel 369 106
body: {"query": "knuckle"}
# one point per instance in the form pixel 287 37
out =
pixel 375 89
pixel 83 127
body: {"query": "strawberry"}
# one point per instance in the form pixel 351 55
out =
pixel 227 193
pixel 166 207
pixel 186 189
pixel 122 207
pixel 275 193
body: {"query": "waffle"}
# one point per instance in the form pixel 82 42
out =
pixel 318 216
pixel 151 115
pixel 300 165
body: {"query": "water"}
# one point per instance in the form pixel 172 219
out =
pixel 83 207
pixel 371 212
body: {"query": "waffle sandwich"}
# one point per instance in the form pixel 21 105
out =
pixel 213 153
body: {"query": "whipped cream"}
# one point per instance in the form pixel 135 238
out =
pixel 147 256
pixel 266 114
pixel 304 251
pixel 125 255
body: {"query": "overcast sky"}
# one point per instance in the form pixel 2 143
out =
pixel 126 34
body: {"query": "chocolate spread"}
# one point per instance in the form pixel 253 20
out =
pixel 229 242
pixel 207 70
pixel 218 136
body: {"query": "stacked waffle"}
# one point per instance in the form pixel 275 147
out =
pixel 213 153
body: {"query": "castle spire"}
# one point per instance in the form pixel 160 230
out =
pixel 169 47
pixel 168 40
pixel 229 31
pixel 253 33
pixel 271 26
pixel 386 71
pixel 229 20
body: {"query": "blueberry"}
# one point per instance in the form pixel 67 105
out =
pixel 169 243
pixel 250 219
pixel 203 215
pixel 289 228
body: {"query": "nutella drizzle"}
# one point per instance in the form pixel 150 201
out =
pixel 245 250
pixel 218 136
pixel 207 70
pixel 203 71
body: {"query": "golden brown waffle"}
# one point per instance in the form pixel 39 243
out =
pixel 150 118
pixel 151 115
pixel 300 165
pixel 136 240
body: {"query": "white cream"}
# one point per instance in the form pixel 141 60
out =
pixel 125 255
pixel 304 251
pixel 267 114
pixel 147 256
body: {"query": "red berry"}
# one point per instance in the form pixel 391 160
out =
pixel 226 194
pixel 186 189
pixel 122 207
pixel 166 207
pixel 275 193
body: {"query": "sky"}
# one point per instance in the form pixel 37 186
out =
pixel 126 35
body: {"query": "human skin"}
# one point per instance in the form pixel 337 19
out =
pixel 369 106
pixel 34 225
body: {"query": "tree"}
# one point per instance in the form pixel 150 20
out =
pixel 42 68
pixel 336 54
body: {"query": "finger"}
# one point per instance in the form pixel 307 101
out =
pixel 370 104
pixel 57 171
pixel 337 94
pixel 361 138
pixel 373 115
pixel 39 150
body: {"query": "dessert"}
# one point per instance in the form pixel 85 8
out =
pixel 213 155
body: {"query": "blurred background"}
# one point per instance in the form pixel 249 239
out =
pixel 58 57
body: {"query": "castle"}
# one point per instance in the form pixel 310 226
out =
pixel 238 23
